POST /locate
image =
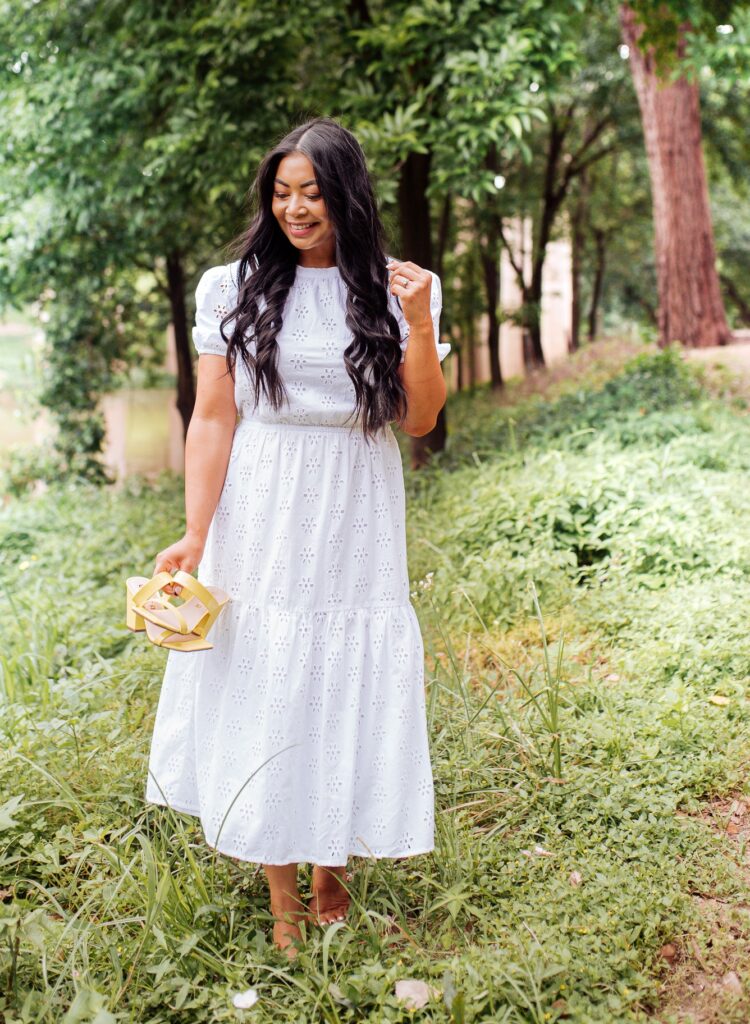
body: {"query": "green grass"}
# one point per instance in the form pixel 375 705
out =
pixel 572 742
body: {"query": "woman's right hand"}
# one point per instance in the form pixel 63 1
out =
pixel 184 554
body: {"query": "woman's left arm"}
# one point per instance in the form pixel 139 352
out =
pixel 420 371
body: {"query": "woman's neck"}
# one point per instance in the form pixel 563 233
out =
pixel 320 257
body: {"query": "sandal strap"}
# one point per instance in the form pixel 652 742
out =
pixel 155 584
pixel 196 589
pixel 150 591
pixel 166 603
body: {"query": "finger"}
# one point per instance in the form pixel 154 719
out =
pixel 408 265
pixel 165 565
pixel 401 284
pixel 413 276
pixel 402 270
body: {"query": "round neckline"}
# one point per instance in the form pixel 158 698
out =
pixel 317 271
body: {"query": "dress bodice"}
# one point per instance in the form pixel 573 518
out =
pixel 312 341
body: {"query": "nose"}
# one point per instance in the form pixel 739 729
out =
pixel 295 207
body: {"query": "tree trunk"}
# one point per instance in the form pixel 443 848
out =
pixel 577 242
pixel 533 353
pixel 414 210
pixel 491 268
pixel 490 257
pixel 600 240
pixel 444 228
pixel 470 351
pixel 551 200
pixel 691 310
pixel 185 377
pixel 489 222
pixel 416 245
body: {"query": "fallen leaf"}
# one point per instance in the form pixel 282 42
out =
pixel 732 983
pixel 6 812
pixel 415 994
pixel 718 699
pixel 338 995
pixel 244 1000
pixel 575 878
pixel 733 829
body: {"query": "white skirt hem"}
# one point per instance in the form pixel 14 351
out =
pixel 297 858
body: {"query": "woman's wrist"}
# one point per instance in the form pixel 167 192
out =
pixel 421 325
pixel 195 536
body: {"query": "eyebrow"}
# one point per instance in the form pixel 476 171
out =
pixel 303 185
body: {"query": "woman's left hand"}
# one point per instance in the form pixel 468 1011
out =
pixel 412 285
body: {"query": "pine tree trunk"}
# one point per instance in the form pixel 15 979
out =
pixel 185 377
pixel 416 243
pixel 691 310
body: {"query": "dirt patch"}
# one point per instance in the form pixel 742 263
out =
pixel 725 369
pixel 598 361
pixel 707 977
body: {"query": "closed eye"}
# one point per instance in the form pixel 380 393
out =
pixel 278 195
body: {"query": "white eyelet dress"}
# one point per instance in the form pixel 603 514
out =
pixel 302 736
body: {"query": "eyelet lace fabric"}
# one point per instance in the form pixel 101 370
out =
pixel 302 735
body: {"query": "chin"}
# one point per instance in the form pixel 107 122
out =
pixel 300 243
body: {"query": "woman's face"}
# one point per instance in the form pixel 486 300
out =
pixel 299 208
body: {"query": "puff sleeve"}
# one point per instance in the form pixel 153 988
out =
pixel 436 305
pixel 215 295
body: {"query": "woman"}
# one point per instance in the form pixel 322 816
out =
pixel 302 735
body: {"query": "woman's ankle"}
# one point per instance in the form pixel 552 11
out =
pixel 287 906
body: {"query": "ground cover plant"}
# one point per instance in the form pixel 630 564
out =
pixel 580 571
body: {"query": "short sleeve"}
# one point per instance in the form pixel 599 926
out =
pixel 436 305
pixel 214 297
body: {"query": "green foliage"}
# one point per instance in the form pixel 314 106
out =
pixel 131 136
pixel 452 80
pixel 665 21
pixel 547 898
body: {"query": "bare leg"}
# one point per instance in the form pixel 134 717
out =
pixel 286 905
pixel 330 900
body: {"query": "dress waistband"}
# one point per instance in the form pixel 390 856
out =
pixel 355 430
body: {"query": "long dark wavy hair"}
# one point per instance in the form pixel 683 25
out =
pixel 267 267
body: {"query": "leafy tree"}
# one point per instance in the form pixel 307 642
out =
pixel 723 61
pixel 587 119
pixel 438 90
pixel 132 133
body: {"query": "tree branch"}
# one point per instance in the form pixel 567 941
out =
pixel 518 270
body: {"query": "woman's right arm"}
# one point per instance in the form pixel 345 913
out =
pixel 207 447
